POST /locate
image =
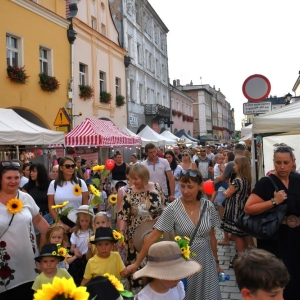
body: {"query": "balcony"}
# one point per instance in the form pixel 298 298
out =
pixel 157 110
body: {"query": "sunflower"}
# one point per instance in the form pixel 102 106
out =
pixel 94 190
pixel 62 251
pixel 14 205
pixel 77 190
pixel 60 205
pixel 118 236
pixel 54 253
pixel 177 238
pixel 113 199
pixel 98 168
pixel 115 282
pixel 61 288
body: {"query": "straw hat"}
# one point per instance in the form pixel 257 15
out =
pixel 142 232
pixel 83 209
pixel 166 262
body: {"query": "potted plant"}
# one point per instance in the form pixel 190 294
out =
pixel 184 117
pixel 17 74
pixel 86 91
pixel 120 100
pixel 174 112
pixel 48 83
pixel 105 97
pixel 179 113
pixel 191 119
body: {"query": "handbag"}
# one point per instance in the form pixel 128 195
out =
pixel 265 225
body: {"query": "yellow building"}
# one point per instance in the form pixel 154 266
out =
pixel 36 39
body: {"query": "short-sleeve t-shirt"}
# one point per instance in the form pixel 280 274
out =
pixel 175 293
pixel 66 193
pixel 158 172
pixel 42 278
pixel 97 266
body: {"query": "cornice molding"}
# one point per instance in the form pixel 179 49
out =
pixel 43 12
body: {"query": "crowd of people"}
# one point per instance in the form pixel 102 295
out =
pixel 158 237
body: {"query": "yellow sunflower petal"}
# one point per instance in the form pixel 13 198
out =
pixel 177 238
pixel 113 199
pixel 81 294
pixel 77 190
pixel 14 206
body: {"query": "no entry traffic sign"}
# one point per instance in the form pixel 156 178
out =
pixel 256 88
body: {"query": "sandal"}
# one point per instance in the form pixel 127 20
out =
pixel 224 243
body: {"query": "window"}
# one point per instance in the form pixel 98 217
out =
pixel 103 29
pixel 141 93
pixel 132 90
pixel 157 68
pixel 148 96
pixel 147 59
pixel 155 34
pixel 150 62
pixel 137 14
pixel 102 77
pixel 129 49
pixel 94 23
pixel 12 50
pixel 163 72
pixel 44 61
pixel 139 54
pixel 162 42
pixel 158 98
pixel 118 86
pixel 164 101
pixel 82 74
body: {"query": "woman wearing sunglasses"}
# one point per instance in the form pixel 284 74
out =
pixel 187 162
pixel 182 216
pixel 67 187
pixel 19 214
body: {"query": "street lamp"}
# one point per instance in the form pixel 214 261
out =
pixel 287 99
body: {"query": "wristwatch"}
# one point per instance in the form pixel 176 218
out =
pixel 273 202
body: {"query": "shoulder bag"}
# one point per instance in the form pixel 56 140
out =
pixel 265 225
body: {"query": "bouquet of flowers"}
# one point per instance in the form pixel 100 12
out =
pixel 183 244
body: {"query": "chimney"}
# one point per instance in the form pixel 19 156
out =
pixel 191 82
pixel 174 82
pixel 178 82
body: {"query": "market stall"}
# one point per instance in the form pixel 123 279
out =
pixel 21 139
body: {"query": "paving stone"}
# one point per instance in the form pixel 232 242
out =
pixel 225 295
pixel 237 296
pixel 231 289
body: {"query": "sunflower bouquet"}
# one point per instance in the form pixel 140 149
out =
pixel 118 236
pixel 118 285
pixel 61 289
pixel 63 252
pixel 183 244
pixel 60 211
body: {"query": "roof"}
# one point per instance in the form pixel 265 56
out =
pixel 15 130
pixel 99 133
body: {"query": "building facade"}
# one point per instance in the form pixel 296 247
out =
pixel 40 45
pixel 144 36
pixel 98 64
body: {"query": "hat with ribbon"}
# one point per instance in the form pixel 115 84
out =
pixel 142 232
pixel 166 262
pixel 49 250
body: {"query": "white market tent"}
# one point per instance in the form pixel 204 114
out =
pixel 169 135
pixel 15 130
pixel 150 134
pixel 144 141
pixel 188 141
pixel 283 120
pixel 246 133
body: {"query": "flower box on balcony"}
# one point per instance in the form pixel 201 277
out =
pixel 105 97
pixel 120 100
pixel 174 112
pixel 48 83
pixel 179 113
pixel 17 74
pixel 86 92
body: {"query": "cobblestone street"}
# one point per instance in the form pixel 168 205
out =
pixel 229 289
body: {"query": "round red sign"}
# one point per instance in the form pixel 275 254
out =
pixel 256 88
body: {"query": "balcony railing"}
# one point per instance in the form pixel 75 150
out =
pixel 157 109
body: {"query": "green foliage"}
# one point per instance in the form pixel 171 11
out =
pixel 105 97
pixel 86 91
pixel 48 83
pixel 120 100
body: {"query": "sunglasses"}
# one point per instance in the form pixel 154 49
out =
pixel 8 164
pixel 203 151
pixel 68 166
pixel 189 172
pixel 185 155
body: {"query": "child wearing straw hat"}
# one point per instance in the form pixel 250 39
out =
pixel 166 266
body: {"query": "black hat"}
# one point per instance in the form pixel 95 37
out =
pixel 103 234
pixel 49 250
pixel 101 287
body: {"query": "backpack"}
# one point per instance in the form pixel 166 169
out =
pixel 55 184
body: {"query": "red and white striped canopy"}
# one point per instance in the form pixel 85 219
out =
pixel 95 132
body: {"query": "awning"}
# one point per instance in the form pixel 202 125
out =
pixel 150 134
pixel 99 133
pixel 181 132
pixel 205 138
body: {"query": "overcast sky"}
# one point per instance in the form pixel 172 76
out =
pixel 226 41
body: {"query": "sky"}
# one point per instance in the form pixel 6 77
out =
pixel 226 41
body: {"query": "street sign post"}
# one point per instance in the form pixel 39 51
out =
pixel 62 118
pixel 256 88
pixel 251 108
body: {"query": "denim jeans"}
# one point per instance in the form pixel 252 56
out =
pixel 49 220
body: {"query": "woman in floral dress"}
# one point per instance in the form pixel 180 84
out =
pixel 142 202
